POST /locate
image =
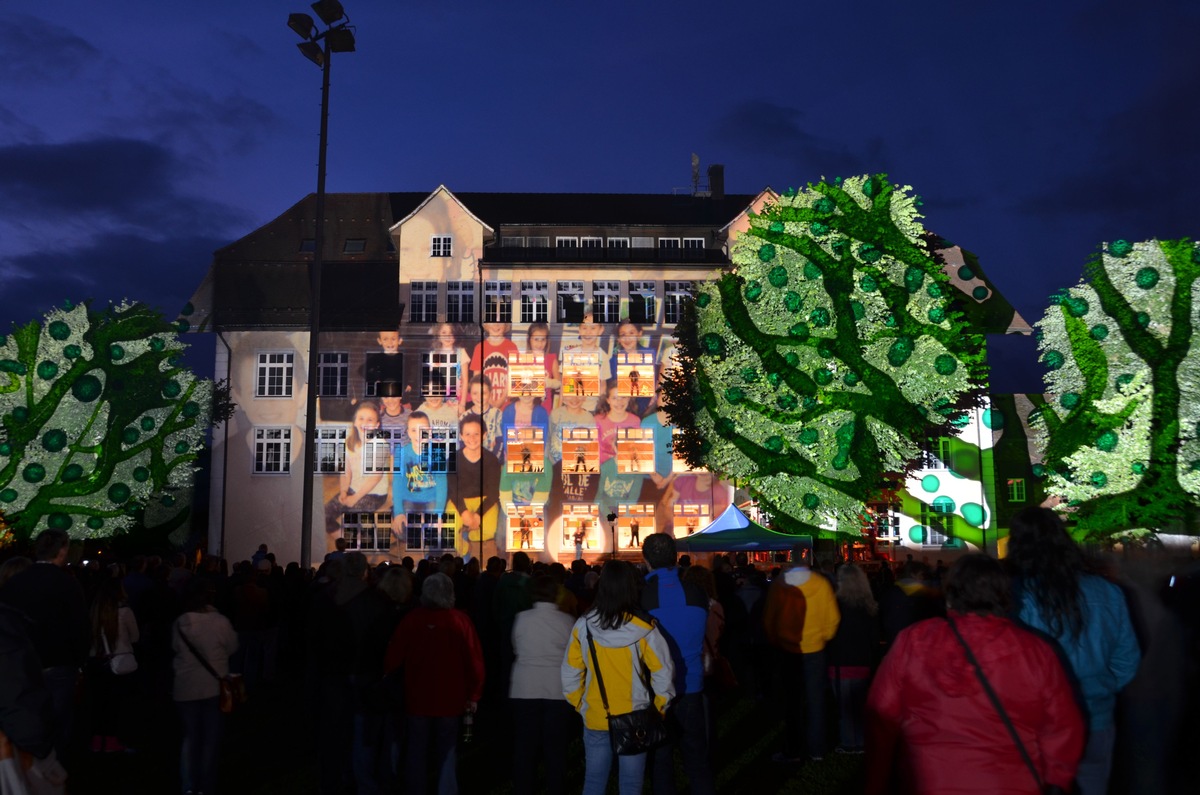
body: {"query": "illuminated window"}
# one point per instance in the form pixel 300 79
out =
pixel 441 246
pixel 643 306
pixel 274 376
pixel 429 531
pixel 606 302
pixel 367 532
pixel 675 295
pixel 525 450
pixel 333 374
pixel 439 374
pixel 439 449
pixel 272 451
pixel 938 521
pixel 935 454
pixel 535 302
pixel 331 450
pixel 497 302
pixel 423 302
pixel 460 302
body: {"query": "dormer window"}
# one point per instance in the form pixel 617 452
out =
pixel 354 245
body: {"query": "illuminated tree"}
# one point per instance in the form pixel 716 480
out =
pixel 97 417
pixel 826 357
pixel 1119 425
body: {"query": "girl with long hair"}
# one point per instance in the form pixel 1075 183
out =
pixel 1089 620
pixel 853 653
pixel 359 490
pixel 625 642
pixel 114 631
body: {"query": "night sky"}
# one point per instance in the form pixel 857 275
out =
pixel 137 137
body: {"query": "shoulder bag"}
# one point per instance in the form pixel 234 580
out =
pixel 1048 789
pixel 121 663
pixel 233 687
pixel 636 732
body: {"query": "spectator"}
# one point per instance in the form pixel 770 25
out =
pixel 853 653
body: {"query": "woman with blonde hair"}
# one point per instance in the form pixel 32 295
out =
pixel 853 654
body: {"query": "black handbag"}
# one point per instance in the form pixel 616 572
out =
pixel 636 732
pixel 1046 789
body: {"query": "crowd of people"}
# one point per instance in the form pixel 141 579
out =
pixel 1002 672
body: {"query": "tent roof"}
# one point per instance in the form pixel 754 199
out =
pixel 733 531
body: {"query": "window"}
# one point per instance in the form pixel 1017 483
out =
pixel 571 301
pixel 331 450
pixel 377 449
pixel 1016 489
pixel 675 294
pixel 643 307
pixel 935 453
pixel 333 377
pixel 439 449
pixel 274 377
pixel 693 242
pixel 938 521
pixel 512 242
pixel 591 242
pixel 525 450
pixel 618 242
pixel 606 302
pixel 460 302
pixel 429 531
pixel 643 242
pixel 539 242
pixel 497 302
pixel 535 302
pixel 566 242
pixel 668 242
pixel 441 246
pixel 439 374
pixel 354 245
pixel 308 244
pixel 423 302
pixel 367 532
pixel 272 451
pixel 635 450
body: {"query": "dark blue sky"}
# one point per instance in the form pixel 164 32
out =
pixel 135 142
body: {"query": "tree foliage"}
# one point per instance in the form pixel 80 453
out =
pixel 97 417
pixel 826 356
pixel 1119 427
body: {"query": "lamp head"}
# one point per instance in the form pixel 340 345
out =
pixel 313 52
pixel 330 11
pixel 303 25
pixel 340 40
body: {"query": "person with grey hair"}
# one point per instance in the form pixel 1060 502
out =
pixel 443 678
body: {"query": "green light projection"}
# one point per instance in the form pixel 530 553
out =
pixel 97 418
pixel 825 358
pixel 1119 427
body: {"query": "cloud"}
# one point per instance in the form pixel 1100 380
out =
pixel 40 51
pixel 112 267
pixel 765 128
pixel 111 180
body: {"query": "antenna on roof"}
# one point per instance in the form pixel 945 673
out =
pixel 695 173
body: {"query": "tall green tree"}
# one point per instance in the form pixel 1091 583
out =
pixel 826 356
pixel 97 417
pixel 1120 424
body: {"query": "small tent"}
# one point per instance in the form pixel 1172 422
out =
pixel 733 531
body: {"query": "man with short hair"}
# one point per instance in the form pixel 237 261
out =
pixel 53 601
pixel 682 614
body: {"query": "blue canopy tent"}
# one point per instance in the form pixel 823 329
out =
pixel 733 531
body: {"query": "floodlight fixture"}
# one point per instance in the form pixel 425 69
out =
pixel 303 25
pixel 330 11
pixel 340 40
pixel 313 52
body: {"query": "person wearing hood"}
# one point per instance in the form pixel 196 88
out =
pixel 625 639
pixel 928 700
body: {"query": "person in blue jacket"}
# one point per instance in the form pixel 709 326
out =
pixel 1087 617
pixel 681 610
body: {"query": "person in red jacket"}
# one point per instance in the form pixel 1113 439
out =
pixel 931 724
pixel 443 679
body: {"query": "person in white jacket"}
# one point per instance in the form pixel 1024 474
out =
pixel 543 719
pixel 201 632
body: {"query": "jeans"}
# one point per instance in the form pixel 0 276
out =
pixel 60 681
pixel 598 755
pixel 852 710
pixel 688 723
pixel 1096 765
pixel 802 680
pixel 542 729
pixel 444 734
pixel 201 741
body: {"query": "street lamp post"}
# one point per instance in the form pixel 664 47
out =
pixel 318 46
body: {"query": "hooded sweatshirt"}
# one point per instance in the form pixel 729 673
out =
pixel 618 652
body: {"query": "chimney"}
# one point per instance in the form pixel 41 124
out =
pixel 716 181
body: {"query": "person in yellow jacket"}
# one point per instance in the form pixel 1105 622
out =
pixel 625 639
pixel 800 617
